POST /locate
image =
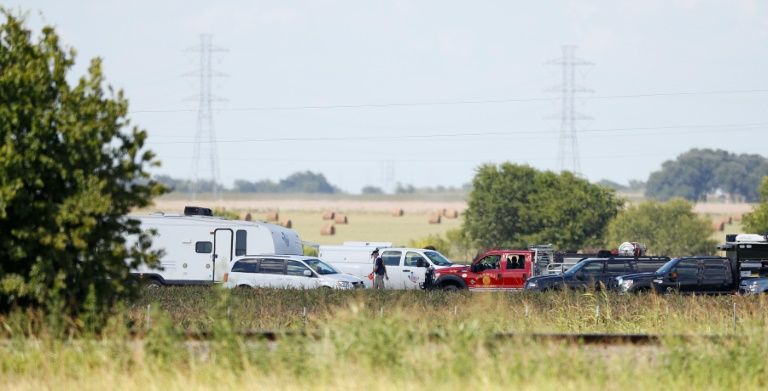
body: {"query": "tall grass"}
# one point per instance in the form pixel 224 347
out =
pixel 405 340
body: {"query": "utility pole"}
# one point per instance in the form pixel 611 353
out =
pixel 568 145
pixel 205 136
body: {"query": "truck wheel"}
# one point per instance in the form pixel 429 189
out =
pixel 450 288
pixel 152 283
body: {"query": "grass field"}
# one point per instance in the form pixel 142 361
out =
pixel 370 226
pixel 403 340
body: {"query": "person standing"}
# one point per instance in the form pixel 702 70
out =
pixel 379 270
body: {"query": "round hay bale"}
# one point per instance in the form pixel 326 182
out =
pixel 273 216
pixel 329 215
pixel 287 223
pixel 451 213
pixel 341 219
pixel 248 217
pixel 397 212
pixel 328 230
pixel 434 219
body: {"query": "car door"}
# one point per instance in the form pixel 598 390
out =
pixel 515 269
pixel 392 260
pixel 686 277
pixel 222 252
pixel 295 277
pixel 271 273
pixel 412 273
pixel 489 273
pixel 588 277
pixel 715 276
pixel 244 272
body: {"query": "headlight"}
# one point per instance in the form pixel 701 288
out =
pixel 344 284
pixel 531 285
pixel 625 284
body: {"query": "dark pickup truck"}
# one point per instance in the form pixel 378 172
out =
pixel 595 273
pixel 701 274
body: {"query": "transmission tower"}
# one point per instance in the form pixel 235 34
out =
pixel 205 136
pixel 388 176
pixel 568 145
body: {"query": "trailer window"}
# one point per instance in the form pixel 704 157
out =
pixel 204 247
pixel 272 266
pixel 240 242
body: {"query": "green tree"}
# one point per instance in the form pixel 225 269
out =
pixel 698 172
pixel 757 220
pixel 513 205
pixel 71 168
pixel 669 228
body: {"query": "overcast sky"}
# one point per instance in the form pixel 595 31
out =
pixel 668 75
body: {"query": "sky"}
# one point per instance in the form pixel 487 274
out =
pixel 423 92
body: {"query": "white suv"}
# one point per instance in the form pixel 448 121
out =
pixel 286 271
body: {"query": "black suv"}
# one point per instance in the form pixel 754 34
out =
pixel 595 273
pixel 702 274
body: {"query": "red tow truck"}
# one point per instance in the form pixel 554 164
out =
pixel 503 269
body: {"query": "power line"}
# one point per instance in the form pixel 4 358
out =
pixel 717 127
pixel 455 102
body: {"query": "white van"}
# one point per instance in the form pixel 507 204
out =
pixel 405 266
pixel 287 271
pixel 197 247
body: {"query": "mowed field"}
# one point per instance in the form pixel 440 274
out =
pixel 368 218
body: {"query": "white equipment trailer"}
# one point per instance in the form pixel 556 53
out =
pixel 197 247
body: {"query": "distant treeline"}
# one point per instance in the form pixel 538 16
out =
pixel 299 182
pixel 701 173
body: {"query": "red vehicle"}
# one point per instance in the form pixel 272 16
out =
pixel 509 269
pixel 500 270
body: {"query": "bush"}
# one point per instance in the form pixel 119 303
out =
pixel 667 228
pixel 516 206
pixel 70 170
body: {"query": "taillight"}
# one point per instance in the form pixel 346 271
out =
pixel 226 277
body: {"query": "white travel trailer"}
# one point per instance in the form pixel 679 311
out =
pixel 406 267
pixel 198 246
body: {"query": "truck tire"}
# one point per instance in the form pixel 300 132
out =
pixel 152 283
pixel 450 288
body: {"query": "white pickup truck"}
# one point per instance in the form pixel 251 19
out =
pixel 405 266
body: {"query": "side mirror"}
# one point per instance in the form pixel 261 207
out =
pixel 421 263
pixel 579 276
pixel 307 273
pixel 473 268
pixel 673 276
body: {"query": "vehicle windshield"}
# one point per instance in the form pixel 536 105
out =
pixel 321 267
pixel 667 267
pixel 437 258
pixel 575 268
